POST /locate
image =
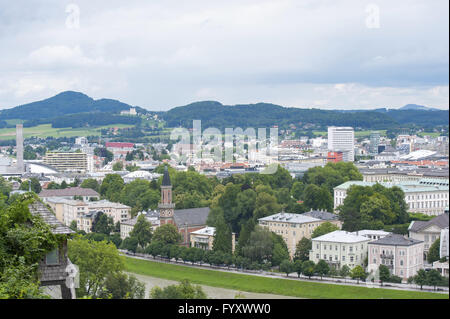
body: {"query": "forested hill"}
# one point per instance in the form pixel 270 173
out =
pixel 64 103
pixel 77 110
pixel 215 114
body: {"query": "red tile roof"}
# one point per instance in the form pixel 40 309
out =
pixel 119 145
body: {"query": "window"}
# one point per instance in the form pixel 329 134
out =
pixel 351 259
pixel 52 258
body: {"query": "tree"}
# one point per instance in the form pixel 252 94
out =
pixel 265 205
pixel 132 168
pixel 259 246
pixel 185 290
pixel 167 234
pixel 5 187
pixel 433 278
pixel 332 175
pixel 434 251
pixel 344 271
pixel 138 193
pixel 118 166
pixel 130 244
pixel 297 190
pixel 73 225
pixel 142 231
pixel 302 249
pixel 280 251
pixel 323 229
pixel 123 286
pixel 322 268
pixel 316 197
pixel 372 207
pixel 420 278
pixel 308 268
pixel 358 273
pixel 102 224
pixel 95 260
pixel 111 187
pixel 35 185
pixel 103 152
pixel 223 237
pixel 287 267
pixel 298 267
pixel 24 241
pixel 384 274
pixel 90 183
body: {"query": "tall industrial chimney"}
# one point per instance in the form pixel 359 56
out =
pixel 19 147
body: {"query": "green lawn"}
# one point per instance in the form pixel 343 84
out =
pixel 432 134
pixel 46 130
pixel 249 283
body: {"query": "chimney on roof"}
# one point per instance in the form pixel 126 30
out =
pixel 19 147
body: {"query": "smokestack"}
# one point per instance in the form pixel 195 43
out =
pixel 19 147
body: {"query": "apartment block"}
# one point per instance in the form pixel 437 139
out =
pixel 67 161
pixel 340 248
pixel 292 227
pixel 403 256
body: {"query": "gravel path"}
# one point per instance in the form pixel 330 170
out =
pixel 211 292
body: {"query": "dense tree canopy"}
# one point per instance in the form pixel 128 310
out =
pixel 24 241
pixel 372 207
pixel 96 261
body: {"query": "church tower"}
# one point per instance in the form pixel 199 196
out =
pixel 166 207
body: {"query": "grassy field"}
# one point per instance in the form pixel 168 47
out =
pixel 432 134
pixel 249 283
pixel 46 130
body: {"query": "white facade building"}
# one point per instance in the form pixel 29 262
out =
pixel 340 248
pixel 342 139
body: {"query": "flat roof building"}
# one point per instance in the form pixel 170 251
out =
pixel 67 161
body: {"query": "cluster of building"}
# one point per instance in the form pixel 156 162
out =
pixel 403 255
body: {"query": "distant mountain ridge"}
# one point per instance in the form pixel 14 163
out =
pixel 418 108
pixel 77 109
pixel 64 103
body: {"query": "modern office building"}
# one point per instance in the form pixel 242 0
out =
pixel 67 161
pixel 342 139
pixel 374 142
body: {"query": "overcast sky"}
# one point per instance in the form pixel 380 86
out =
pixel 160 54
